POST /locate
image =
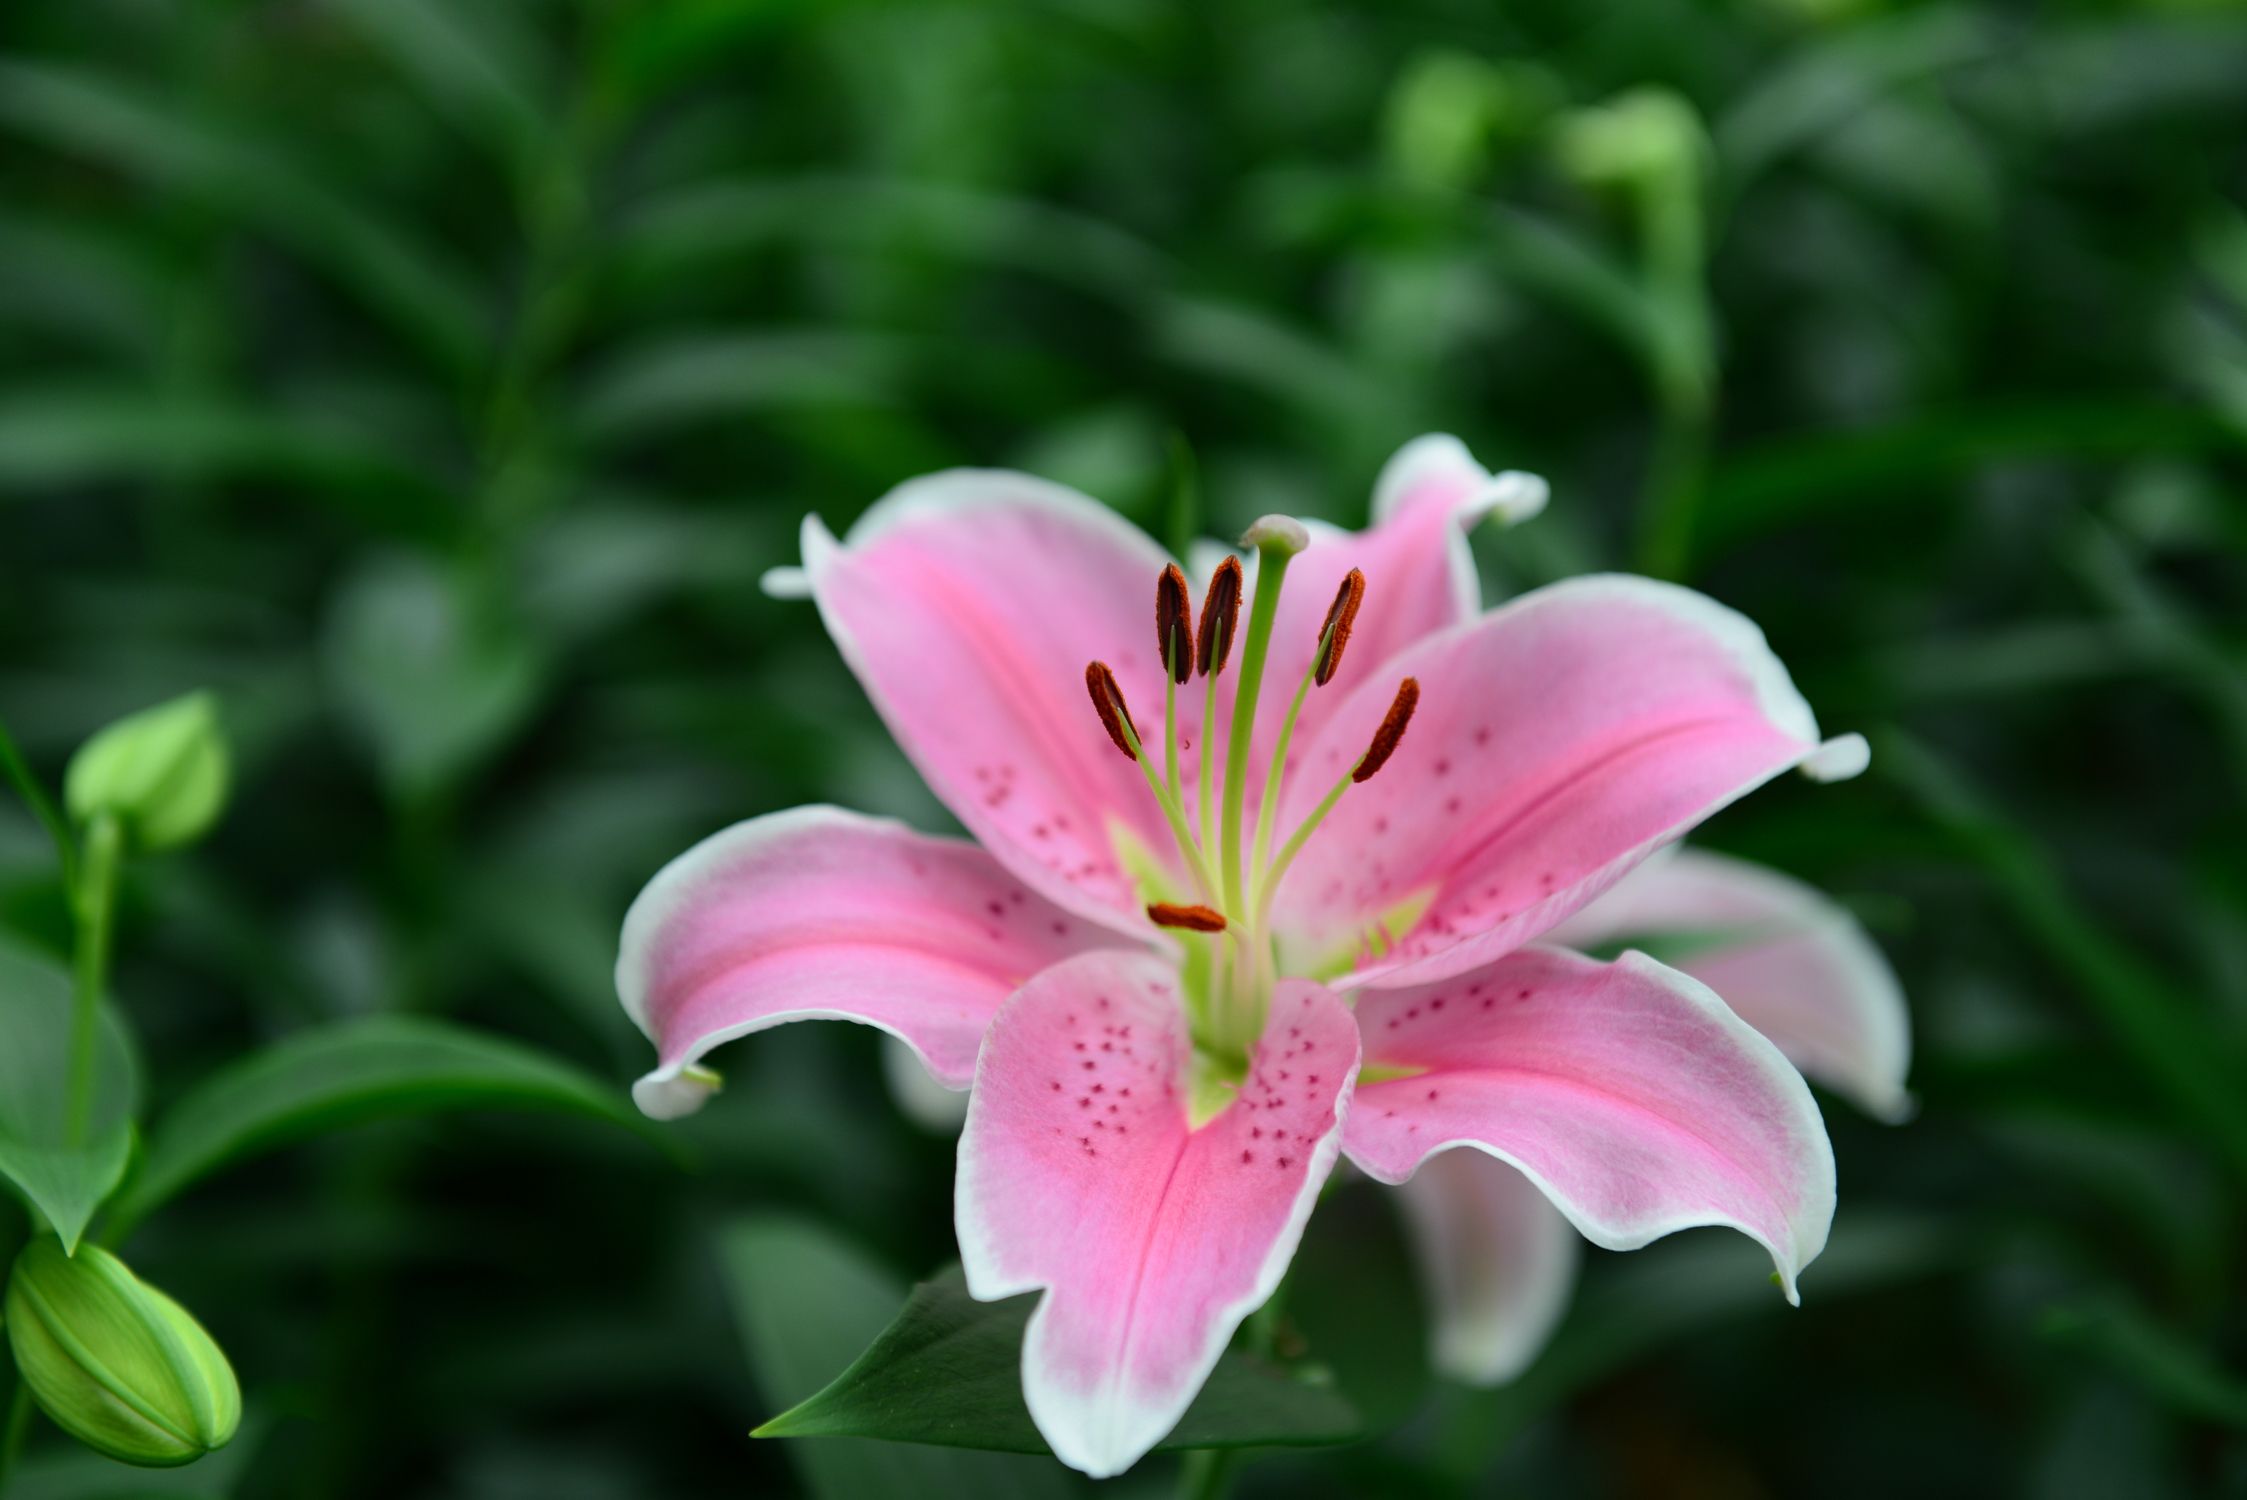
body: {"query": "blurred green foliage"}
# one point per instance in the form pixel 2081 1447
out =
pixel 433 379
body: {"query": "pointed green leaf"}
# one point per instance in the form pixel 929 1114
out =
pixel 341 1075
pixel 65 1181
pixel 948 1371
pixel 807 1300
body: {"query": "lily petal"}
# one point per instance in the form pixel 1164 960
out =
pixel 1498 1262
pixel 1081 1174
pixel 1559 741
pixel 821 914
pixel 1790 961
pixel 1628 1092
pixel 968 604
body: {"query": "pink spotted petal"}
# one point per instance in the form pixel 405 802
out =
pixel 968 603
pixel 1080 1175
pixel 1498 1262
pixel 1627 1091
pixel 1559 741
pixel 821 914
pixel 1791 962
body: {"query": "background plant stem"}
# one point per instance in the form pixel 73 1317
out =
pixel 94 900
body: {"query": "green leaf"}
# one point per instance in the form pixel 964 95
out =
pixel 2154 1025
pixel 1791 480
pixel 1353 1300
pixel 2152 1357
pixel 1673 1291
pixel 475 68
pixel 54 438
pixel 66 1182
pixel 155 139
pixel 807 1300
pixel 432 671
pixel 948 1371
pixel 704 378
pixel 341 1075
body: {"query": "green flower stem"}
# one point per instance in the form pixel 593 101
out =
pixel 12 1436
pixel 1271 572
pixel 94 901
pixel 1208 1473
pixel 42 807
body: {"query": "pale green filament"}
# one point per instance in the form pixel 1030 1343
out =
pixel 1294 846
pixel 1170 724
pixel 1195 863
pixel 1205 804
pixel 1267 812
pixel 1270 560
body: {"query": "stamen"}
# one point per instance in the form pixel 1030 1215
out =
pixel 1376 755
pixel 1221 613
pixel 1335 633
pixel 1174 628
pixel 1385 738
pixel 1108 701
pixel 1191 918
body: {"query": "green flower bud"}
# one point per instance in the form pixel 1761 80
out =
pixel 1647 134
pixel 114 1362
pixel 161 772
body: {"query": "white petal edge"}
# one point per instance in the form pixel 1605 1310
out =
pixel 1810 1236
pixel 1838 759
pixel 671 1092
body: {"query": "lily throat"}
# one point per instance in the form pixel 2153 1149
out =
pixel 1221 916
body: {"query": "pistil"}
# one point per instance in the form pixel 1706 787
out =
pixel 1276 539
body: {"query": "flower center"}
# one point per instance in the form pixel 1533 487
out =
pixel 1231 964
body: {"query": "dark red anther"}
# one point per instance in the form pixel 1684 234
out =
pixel 1391 731
pixel 1221 612
pixel 1335 633
pixel 1108 702
pixel 1174 625
pixel 1191 918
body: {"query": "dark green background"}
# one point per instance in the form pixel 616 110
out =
pixel 434 378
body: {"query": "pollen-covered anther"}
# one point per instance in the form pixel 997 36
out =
pixel 1191 918
pixel 1386 738
pixel 1174 625
pixel 1335 633
pixel 1221 614
pixel 1108 702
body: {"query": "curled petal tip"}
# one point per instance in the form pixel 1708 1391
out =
pixel 1838 759
pixel 1277 534
pixel 1513 497
pixel 669 1094
pixel 789 582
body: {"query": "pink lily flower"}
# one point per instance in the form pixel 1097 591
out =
pixel 1186 967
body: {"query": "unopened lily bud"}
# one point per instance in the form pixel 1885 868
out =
pixel 1647 133
pixel 114 1362
pixel 162 773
